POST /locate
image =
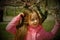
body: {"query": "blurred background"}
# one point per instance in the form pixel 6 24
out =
pixel 11 8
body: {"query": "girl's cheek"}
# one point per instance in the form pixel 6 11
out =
pixel 31 23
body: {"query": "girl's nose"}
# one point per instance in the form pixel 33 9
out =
pixel 35 21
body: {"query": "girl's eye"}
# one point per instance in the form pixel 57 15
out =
pixel 34 19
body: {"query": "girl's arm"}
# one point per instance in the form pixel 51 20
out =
pixel 11 27
pixel 51 35
pixel 56 27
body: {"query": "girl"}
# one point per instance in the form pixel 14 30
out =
pixel 28 26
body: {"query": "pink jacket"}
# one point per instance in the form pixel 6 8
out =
pixel 33 33
pixel 38 33
pixel 11 27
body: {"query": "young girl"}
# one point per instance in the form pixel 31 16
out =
pixel 28 26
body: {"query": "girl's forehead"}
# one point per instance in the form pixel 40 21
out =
pixel 33 15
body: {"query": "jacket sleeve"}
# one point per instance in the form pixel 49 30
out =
pixel 55 28
pixel 11 27
pixel 54 31
pixel 51 35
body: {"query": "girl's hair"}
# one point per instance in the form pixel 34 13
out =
pixel 22 27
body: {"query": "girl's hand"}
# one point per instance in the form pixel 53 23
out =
pixel 57 18
pixel 21 14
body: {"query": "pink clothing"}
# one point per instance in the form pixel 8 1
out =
pixel 11 27
pixel 37 33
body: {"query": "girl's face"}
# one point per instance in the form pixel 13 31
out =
pixel 33 19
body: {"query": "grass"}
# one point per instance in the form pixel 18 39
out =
pixel 4 35
pixel 48 25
